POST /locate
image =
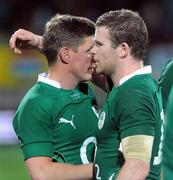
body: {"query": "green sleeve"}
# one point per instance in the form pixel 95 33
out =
pixel 136 113
pixel 34 127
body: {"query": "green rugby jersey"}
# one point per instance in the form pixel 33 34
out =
pixel 168 139
pixel 166 81
pixel 57 123
pixel 133 108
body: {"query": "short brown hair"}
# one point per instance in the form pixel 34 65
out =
pixel 126 26
pixel 65 30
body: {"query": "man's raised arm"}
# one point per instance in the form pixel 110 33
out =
pixel 23 39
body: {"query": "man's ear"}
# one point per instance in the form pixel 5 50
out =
pixel 64 54
pixel 123 50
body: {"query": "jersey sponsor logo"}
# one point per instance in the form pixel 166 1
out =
pixel 101 120
pixel 66 121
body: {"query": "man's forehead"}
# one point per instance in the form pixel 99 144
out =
pixel 101 33
pixel 88 42
pixel 101 29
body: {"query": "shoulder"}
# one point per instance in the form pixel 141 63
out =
pixel 166 72
pixel 166 80
pixel 140 84
pixel 37 101
pixel 140 91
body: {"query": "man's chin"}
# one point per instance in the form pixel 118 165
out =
pixel 99 71
pixel 88 78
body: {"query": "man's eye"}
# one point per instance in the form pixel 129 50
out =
pixel 98 44
pixel 89 53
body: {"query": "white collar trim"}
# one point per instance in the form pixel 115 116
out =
pixel 43 78
pixel 144 70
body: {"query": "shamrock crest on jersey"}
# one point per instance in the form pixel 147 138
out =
pixel 101 119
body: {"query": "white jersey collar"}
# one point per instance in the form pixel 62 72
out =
pixel 143 70
pixel 43 78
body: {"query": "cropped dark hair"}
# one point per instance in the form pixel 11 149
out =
pixel 126 26
pixel 65 30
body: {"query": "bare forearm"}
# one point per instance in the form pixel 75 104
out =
pixel 35 44
pixel 23 39
pixel 69 172
pixel 134 169
pixel 44 169
pixel 39 45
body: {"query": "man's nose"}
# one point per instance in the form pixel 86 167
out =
pixel 92 60
pixel 93 50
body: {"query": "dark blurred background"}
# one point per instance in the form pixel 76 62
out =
pixel 18 73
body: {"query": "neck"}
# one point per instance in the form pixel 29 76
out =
pixel 125 69
pixel 62 76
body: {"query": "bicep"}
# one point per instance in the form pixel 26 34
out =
pixel 137 151
pixel 138 147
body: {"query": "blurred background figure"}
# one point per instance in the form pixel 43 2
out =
pixel 18 73
pixel 168 139
pixel 166 82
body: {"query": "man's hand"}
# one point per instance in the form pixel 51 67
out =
pixel 23 39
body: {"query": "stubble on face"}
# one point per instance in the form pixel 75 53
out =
pixel 103 51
